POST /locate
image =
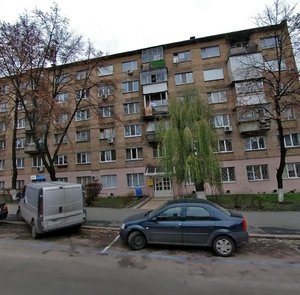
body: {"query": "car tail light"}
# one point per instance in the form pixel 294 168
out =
pixel 244 223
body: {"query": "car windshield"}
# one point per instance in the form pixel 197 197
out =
pixel 154 212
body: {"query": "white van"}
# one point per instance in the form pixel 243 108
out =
pixel 49 206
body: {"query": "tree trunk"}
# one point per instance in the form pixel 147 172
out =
pixel 52 173
pixel 200 191
pixel 14 177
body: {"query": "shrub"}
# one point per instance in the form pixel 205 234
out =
pixel 92 191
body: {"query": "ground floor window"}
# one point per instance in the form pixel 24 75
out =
pixel 135 179
pixel 257 172
pixel 109 181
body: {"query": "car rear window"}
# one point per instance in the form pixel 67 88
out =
pixel 222 209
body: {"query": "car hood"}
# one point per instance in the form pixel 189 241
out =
pixel 137 217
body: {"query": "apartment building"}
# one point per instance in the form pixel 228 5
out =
pixel 115 142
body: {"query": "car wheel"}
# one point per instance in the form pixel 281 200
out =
pixel 136 240
pixel 34 233
pixel 19 215
pixel 223 246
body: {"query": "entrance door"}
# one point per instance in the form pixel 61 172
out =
pixel 163 187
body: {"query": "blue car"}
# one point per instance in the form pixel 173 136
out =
pixel 191 222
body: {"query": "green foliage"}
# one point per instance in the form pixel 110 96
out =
pixel 115 202
pixel 189 140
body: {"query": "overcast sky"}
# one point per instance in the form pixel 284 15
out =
pixel 119 25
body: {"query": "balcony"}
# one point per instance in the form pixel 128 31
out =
pixel 151 136
pixel 254 127
pixel 31 148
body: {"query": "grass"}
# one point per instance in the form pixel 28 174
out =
pixel 261 202
pixel 116 202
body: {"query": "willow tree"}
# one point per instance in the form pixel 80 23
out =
pixel 189 141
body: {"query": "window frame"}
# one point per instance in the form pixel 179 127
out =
pixel 209 52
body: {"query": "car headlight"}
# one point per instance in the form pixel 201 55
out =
pixel 123 226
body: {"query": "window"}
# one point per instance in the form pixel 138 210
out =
pixel 154 76
pixel 131 108
pixel 4 89
pixel 20 184
pixel 134 154
pixel 196 213
pixel 217 96
pixel 21 123
pixel 228 174
pixel 3 107
pixel 106 71
pixel 213 74
pixel 152 54
pixel 184 78
pixel 62 118
pixel 288 114
pixel 61 160
pixel 292 170
pixel 20 142
pixel 249 87
pixel 84 180
pixel 83 135
pixel 82 75
pixel 275 65
pixel 62 179
pixel 171 214
pixel 82 94
pixel 181 56
pixel 83 158
pixel 255 143
pixel 20 163
pixel 257 172
pixel 62 97
pixel 269 42
pixel 105 90
pixel 157 152
pixel 2 126
pixel 220 121
pixel 2 183
pixel 292 140
pixel 106 112
pixel 135 179
pixel 210 51
pixel 108 156
pixel 224 146
pixel 129 66
pixel 2 144
pixel 107 133
pixel 61 79
pixel 133 130
pixel 57 137
pixel 2 164
pixel 37 161
pixel 131 86
pixel 82 115
pixel 109 181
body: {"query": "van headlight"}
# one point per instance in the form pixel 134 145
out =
pixel 123 226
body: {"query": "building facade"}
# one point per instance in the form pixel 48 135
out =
pixel 112 138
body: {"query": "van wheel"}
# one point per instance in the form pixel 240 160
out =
pixel 19 215
pixel 34 233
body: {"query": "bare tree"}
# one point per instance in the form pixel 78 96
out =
pixel 272 75
pixel 34 56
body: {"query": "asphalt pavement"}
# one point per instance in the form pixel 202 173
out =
pixel 281 223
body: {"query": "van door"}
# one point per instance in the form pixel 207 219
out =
pixel 53 208
pixel 73 208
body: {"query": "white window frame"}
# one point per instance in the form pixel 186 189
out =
pixel 109 181
pixel 217 96
pixel 135 179
pixel 131 108
pixel 83 158
pixel 212 51
pixel 20 162
pixel 273 65
pixel 83 136
pixel 2 164
pixel 130 86
pixel 181 56
pixel 2 126
pixel 132 130
pixel 107 111
pixel 37 162
pixel 213 74
pixel 62 118
pixel 107 156
pixel 57 137
pixel 129 66
pixel 61 160
pixel 82 94
pixel 105 90
pixel 184 78
pixel 221 120
pixel 291 170
pixel 134 154
pixel 288 113
pixel 225 146
pixel 2 143
pixel 83 115
pixel 228 174
pixel 257 172
pixel 21 123
pixel 255 143
pixel 293 140
pixel 106 70
pixel 3 107
pixel 62 97
pixel 269 42
pixel 20 142
pixel 82 75
pixel 107 133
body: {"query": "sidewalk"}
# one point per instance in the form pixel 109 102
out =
pixel 265 223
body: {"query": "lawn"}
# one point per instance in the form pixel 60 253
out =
pixel 115 202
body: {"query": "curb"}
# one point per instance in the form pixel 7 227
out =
pixel 251 235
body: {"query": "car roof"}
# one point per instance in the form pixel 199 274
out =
pixel 189 201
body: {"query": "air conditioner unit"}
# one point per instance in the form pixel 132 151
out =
pixel 40 169
pixel 227 129
pixel 129 72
